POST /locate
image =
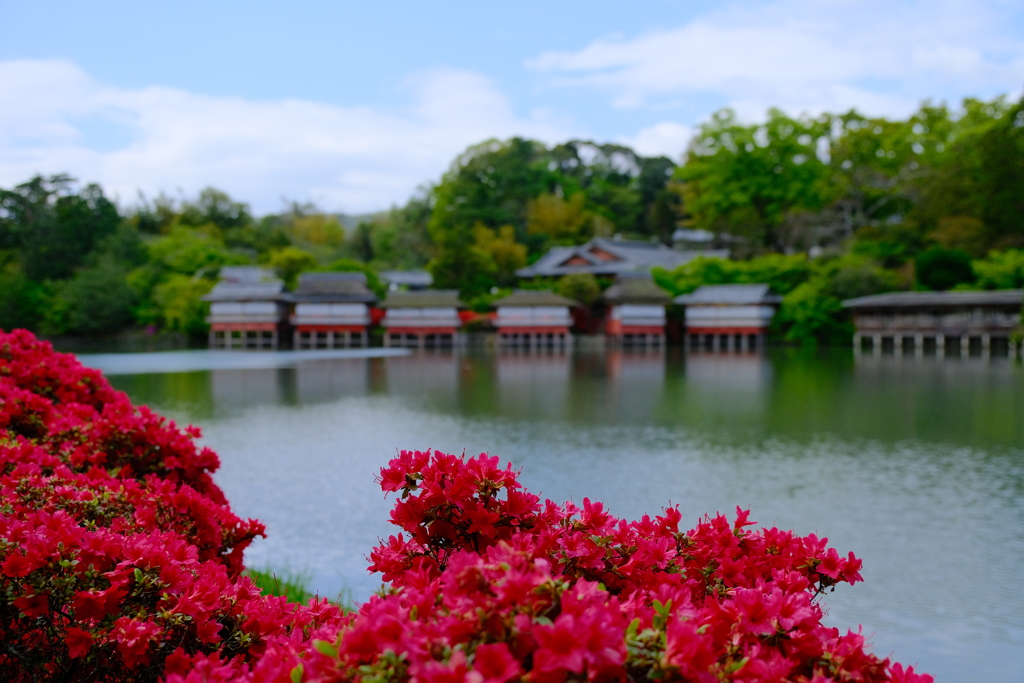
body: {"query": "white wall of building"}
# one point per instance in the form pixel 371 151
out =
pixel 422 317
pixel 729 316
pixel 639 315
pixel 533 316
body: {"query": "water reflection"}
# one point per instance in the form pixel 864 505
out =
pixel 735 375
pixel 239 389
pixel 726 394
pixel 532 384
pixel 319 382
pixel 732 398
pixel 432 373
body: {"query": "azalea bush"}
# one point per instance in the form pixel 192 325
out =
pixel 121 560
pixel 119 557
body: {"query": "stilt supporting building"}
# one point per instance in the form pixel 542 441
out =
pixel 939 323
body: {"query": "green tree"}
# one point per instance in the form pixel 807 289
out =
pixel 812 312
pixel 964 233
pixel 317 230
pixel 400 237
pixel 746 180
pixel 891 244
pixel 97 300
pixel 189 251
pixel 781 273
pixel 180 309
pixel 979 176
pixel 461 265
pixel 184 254
pixel 810 315
pixel 501 248
pixel 154 217
pixel 582 287
pixel 217 214
pixel 216 207
pixel 875 163
pixel 562 195
pixel 660 199
pixel 663 215
pixel 559 220
pixel 289 262
pixel 853 277
pixel 941 269
pixel 53 227
pixel 1001 270
pixel 373 281
pixel 364 241
pixel 21 300
pixel 491 183
pixel 620 185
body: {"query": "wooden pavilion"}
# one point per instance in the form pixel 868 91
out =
pixel 421 318
pixel 248 309
pixel 729 316
pixel 534 318
pixel 937 322
pixel 636 310
pixel 332 310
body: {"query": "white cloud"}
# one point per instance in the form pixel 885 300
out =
pixel 881 56
pixel 666 138
pixel 344 158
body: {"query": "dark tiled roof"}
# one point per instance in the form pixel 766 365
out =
pixel 701 236
pixel 246 274
pixel 636 289
pixel 999 297
pixel 530 297
pixel 408 278
pixel 262 291
pixel 427 298
pixel 729 295
pixel 601 256
pixel 246 283
pixel 333 287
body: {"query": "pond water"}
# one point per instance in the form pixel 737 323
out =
pixel 915 464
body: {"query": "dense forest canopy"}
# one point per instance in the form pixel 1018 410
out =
pixel 823 207
pixel 503 204
pixel 952 178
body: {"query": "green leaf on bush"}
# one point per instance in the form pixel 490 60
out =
pixel 325 648
pixel 733 667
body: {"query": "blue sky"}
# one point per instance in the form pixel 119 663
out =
pixel 352 105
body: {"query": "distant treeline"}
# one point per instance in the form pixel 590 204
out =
pixel 823 208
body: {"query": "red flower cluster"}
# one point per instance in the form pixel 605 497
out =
pixel 119 560
pixel 491 585
pixel 119 557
